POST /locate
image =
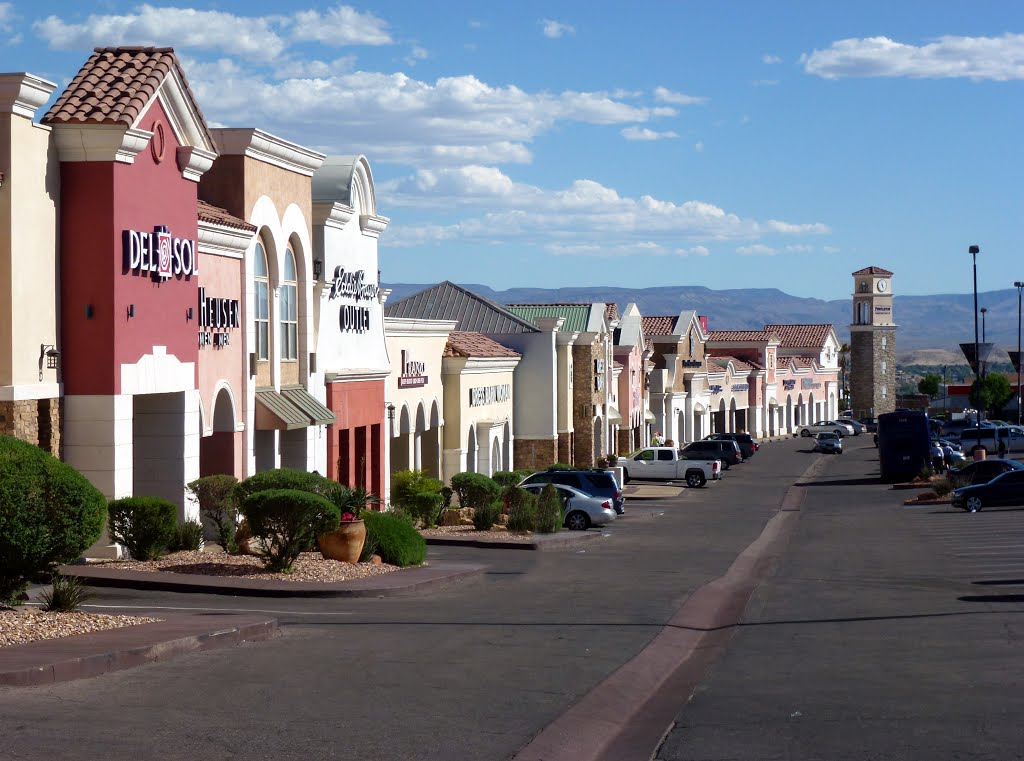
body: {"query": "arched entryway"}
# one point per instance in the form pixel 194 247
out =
pixel 506 446
pixel 698 422
pixel 471 450
pixel 814 414
pixel 496 462
pixel 400 443
pixel 217 451
pixel 789 413
pixel 800 412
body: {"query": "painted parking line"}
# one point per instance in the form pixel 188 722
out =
pixel 217 610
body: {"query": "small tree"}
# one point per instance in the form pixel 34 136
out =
pixel 215 495
pixel 522 509
pixel 929 384
pixel 286 522
pixel 145 526
pixel 990 393
pixel 549 511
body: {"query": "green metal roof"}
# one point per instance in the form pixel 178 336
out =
pixel 292 408
pixel 576 315
pixel 318 413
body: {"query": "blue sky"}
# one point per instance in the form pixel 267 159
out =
pixel 731 145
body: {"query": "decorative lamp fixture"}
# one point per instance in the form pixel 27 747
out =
pixel 131 310
pixel 49 353
pixel 391 411
pixel 188 313
pixel 318 269
pixel 89 311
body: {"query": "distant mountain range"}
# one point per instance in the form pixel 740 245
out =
pixel 941 321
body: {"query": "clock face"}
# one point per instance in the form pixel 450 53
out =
pixel 882 285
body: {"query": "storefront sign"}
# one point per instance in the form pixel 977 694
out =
pixel 217 314
pixel 160 253
pixel 350 285
pixel 598 374
pixel 808 383
pixel 353 319
pixel 413 373
pixel 690 362
pixel 789 385
pixel 715 388
pixel 882 309
pixel 741 387
pixel 478 397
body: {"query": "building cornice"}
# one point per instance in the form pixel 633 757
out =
pixel 332 214
pixel 99 142
pixel 397 327
pixel 222 240
pixel 256 144
pixel 372 225
pixel 194 162
pixel 22 93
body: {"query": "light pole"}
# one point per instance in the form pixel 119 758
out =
pixel 1018 285
pixel 979 372
pixel 983 310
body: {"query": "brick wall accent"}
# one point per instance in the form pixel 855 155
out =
pixel 534 453
pixel 37 421
pixel 583 406
pixel 566 448
pixel 866 374
pixel 624 445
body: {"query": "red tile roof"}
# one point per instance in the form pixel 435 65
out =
pixel 218 216
pixel 611 311
pixel 740 335
pixel 739 364
pixel 658 326
pixel 714 367
pixel 808 362
pixel 463 343
pixel 872 271
pixel 115 85
pixel 800 336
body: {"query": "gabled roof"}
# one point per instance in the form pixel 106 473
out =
pixel 804 362
pixel 215 215
pixel 576 315
pixel 463 343
pixel 801 336
pixel 714 367
pixel 659 326
pixel 116 84
pixel 611 311
pixel 872 271
pixel 741 335
pixel 741 365
pixel 448 301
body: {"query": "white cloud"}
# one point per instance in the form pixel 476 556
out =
pixel 475 24
pixel 664 95
pixel 699 146
pixel 788 228
pixel 770 59
pixel 830 249
pixel 555 29
pixel 416 55
pixel 6 16
pixel 996 58
pixel 758 249
pixel 339 26
pixel 311 68
pixel 799 248
pixel 765 82
pixel 643 133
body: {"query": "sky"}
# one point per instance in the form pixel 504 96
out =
pixel 724 144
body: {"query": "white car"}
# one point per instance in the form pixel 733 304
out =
pixel 825 426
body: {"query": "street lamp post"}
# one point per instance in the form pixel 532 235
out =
pixel 1018 285
pixel 979 372
pixel 983 310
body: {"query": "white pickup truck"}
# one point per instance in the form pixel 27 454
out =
pixel 669 464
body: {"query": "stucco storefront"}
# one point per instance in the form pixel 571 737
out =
pixel 478 404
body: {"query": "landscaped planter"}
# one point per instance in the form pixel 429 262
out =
pixel 345 543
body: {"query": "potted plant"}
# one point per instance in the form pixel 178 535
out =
pixel 345 543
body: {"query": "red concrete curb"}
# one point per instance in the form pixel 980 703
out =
pixel 86 655
pixel 630 711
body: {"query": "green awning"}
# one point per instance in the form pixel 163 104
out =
pixel 317 412
pixel 289 409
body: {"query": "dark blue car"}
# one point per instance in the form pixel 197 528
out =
pixel 1004 489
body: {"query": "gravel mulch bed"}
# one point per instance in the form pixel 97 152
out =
pixel 28 624
pixel 469 532
pixel 310 566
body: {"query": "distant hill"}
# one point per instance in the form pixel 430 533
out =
pixel 939 322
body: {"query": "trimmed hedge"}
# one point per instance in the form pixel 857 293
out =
pixel 286 522
pixel 426 507
pixel 505 478
pixel 216 498
pixel 522 509
pixel 288 478
pixel 49 514
pixel 146 526
pixel 485 516
pixel 398 543
pixel 475 489
pixel 549 511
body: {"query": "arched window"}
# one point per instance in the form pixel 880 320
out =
pixel 289 308
pixel 261 276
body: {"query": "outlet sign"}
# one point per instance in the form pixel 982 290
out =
pixel 160 254
pixel 352 318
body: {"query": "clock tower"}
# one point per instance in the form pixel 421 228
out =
pixel 872 344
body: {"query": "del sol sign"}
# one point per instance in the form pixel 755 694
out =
pixel 352 286
pixel 160 254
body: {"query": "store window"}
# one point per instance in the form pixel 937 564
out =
pixel 289 309
pixel 261 278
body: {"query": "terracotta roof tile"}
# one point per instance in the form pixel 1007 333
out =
pixel 658 326
pixel 872 271
pixel 740 335
pixel 808 362
pixel 218 216
pixel 799 336
pixel 611 311
pixel 462 343
pixel 114 86
pixel 740 364
pixel 714 367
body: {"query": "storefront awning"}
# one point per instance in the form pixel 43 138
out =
pixel 649 417
pixel 613 415
pixel 289 409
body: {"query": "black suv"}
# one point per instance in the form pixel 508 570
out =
pixel 726 451
pixel 596 483
pixel 747 444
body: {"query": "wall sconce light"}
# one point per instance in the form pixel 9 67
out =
pixel 49 353
pixel 391 411
pixel 312 362
pixel 1 179
pixel 188 313
pixel 318 269
pixel 88 311
pixel 131 310
pixel 252 364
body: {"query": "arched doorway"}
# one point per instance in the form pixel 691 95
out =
pixel 399 444
pixel 813 414
pixel 506 446
pixel 789 414
pixel 734 421
pixel 471 450
pixel 217 451
pixel 681 432
pixel 495 456
pixel 698 422
pixel 800 413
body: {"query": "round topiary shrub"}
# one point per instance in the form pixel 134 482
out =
pixel 144 526
pixel 549 511
pixel 398 543
pixel 426 507
pixel 505 478
pixel 475 489
pixel 49 514
pixel 288 478
pixel 286 522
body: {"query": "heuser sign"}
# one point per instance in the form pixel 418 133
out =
pixel 217 314
pixel 160 254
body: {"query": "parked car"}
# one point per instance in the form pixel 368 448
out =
pixel 727 451
pixel 997 440
pixel 825 426
pixel 669 463
pixel 580 511
pixel 747 444
pixel 980 472
pixel 848 424
pixel 870 424
pixel 828 443
pixel 596 483
pixel 1005 489
pixel 857 426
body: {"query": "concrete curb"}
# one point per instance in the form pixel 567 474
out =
pixel 386 585
pixel 87 655
pixel 560 541
pixel 627 714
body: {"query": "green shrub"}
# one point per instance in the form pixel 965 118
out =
pixel 475 489
pixel 286 522
pixel 446 497
pixel 215 495
pixel 485 516
pixel 522 509
pixel 406 484
pixel 505 478
pixel 398 543
pixel 145 526
pixel 559 466
pixel 188 537
pixel 49 514
pixel 359 499
pixel 941 486
pixel 426 507
pixel 299 480
pixel 370 547
pixel 67 594
pixel 549 511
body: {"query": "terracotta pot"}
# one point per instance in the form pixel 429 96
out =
pixel 344 543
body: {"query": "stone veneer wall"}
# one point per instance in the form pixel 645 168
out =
pixel 624 446
pixel 583 405
pixel 866 376
pixel 534 453
pixel 566 448
pixel 37 421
